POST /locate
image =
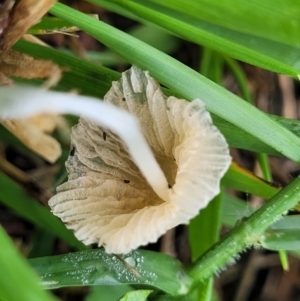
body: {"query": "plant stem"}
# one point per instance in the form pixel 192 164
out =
pixel 246 234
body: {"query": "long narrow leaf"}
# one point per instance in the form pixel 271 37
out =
pixel 264 52
pixel 278 22
pixel 243 180
pixel 95 80
pixel 78 74
pixel 189 83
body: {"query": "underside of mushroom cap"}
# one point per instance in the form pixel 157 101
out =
pixel 108 201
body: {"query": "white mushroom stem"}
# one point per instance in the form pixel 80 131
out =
pixel 20 102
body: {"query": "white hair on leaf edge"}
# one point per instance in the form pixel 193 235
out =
pixel 118 199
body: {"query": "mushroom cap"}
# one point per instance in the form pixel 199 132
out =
pixel 108 201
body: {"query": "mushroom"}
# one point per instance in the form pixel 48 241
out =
pixel 109 200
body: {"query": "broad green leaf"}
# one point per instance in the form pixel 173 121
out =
pixel 200 28
pixel 15 198
pixel 95 267
pixel 138 295
pixel 17 280
pixel 187 82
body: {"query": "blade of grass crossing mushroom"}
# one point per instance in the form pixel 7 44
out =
pixel 187 82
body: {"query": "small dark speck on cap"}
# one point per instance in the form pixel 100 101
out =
pixel 127 181
pixel 72 151
pixel 104 136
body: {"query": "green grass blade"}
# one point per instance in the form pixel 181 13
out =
pixel 260 51
pixel 17 280
pixel 189 83
pixel 241 79
pixel 95 267
pixel 15 198
pixel 86 77
pixel 95 80
pixel 50 25
pixel 243 180
pixel 278 22
pixel 236 178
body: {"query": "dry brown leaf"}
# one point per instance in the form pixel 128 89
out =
pixel 45 122
pixel 15 19
pixel 34 138
pixel 5 9
pixel 23 15
pixel 13 63
pixel 31 131
pixel 5 81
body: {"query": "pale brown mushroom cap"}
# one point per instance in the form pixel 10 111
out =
pixel 108 201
